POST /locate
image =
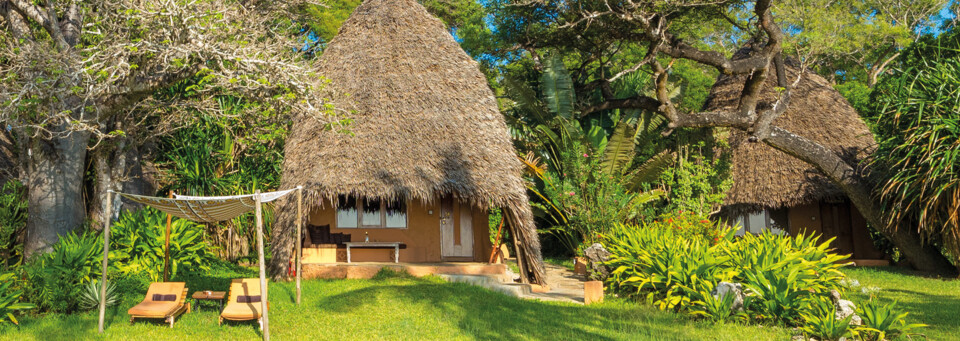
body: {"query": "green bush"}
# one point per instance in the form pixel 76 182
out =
pixel 884 322
pixel 13 221
pixel 689 225
pixel 137 244
pixel 56 279
pixel 10 299
pixel 90 298
pixel 658 264
pixel 667 265
pixel 821 322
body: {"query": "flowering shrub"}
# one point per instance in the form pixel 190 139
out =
pixel 689 225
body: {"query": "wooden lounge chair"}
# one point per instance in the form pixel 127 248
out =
pixel 165 300
pixel 243 303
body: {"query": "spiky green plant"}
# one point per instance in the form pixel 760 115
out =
pixel 917 122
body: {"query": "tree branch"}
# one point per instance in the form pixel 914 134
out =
pixel 48 20
pixel 16 24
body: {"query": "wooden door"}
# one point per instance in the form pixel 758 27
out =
pixel 835 221
pixel 456 229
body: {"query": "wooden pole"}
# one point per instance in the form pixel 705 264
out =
pixel 106 251
pixel 263 271
pixel 496 244
pixel 166 248
pixel 521 257
pixel 299 240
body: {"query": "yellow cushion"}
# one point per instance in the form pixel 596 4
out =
pixel 153 309
pixel 243 311
pixel 149 308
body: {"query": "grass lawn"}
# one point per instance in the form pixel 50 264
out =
pixel 400 307
pixel 930 301
pixel 394 307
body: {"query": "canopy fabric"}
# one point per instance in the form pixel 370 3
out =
pixel 207 209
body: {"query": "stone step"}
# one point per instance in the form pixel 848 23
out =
pixel 512 289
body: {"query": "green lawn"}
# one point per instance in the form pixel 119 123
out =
pixel 396 307
pixel 399 307
pixel 930 301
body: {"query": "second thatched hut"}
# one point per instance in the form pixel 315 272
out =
pixel 774 190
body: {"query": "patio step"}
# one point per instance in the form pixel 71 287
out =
pixel 519 290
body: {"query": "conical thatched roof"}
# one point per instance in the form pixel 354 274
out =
pixel 766 177
pixel 425 123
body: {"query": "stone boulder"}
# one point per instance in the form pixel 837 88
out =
pixel 597 254
pixel 845 308
pixel 726 288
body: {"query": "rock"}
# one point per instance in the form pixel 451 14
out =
pixel 726 288
pixel 845 308
pixel 597 254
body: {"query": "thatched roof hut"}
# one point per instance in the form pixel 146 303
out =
pixel 764 177
pixel 425 125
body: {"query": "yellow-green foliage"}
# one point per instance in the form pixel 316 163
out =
pixel 662 265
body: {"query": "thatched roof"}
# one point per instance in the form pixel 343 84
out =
pixel 425 123
pixel 766 177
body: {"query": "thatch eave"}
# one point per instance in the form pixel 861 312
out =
pixel 764 177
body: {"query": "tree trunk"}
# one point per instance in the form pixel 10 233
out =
pixel 921 255
pixel 117 167
pixel 55 180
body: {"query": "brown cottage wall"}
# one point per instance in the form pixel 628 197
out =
pixel 805 218
pixel 422 235
pixel 854 236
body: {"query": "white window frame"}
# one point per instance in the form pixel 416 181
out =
pixel 383 216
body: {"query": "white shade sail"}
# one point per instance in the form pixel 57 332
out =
pixel 207 209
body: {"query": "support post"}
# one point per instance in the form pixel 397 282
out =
pixel 166 248
pixel 106 251
pixel 299 237
pixel 521 257
pixel 263 269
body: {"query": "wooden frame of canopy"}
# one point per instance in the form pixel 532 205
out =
pixel 207 218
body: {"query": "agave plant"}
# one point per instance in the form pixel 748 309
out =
pixel 90 298
pixel 885 322
pixel 820 320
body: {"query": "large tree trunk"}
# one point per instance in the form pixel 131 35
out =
pixel 921 255
pixel 55 179
pixel 117 167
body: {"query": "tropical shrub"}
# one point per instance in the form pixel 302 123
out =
pixel 91 295
pixel 689 225
pixel 660 266
pixel 10 299
pixel 917 124
pixel 884 322
pixel 821 321
pixel 56 279
pixel 137 244
pixel 13 221
pixel 783 277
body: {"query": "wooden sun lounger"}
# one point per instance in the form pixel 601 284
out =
pixel 243 311
pixel 167 310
